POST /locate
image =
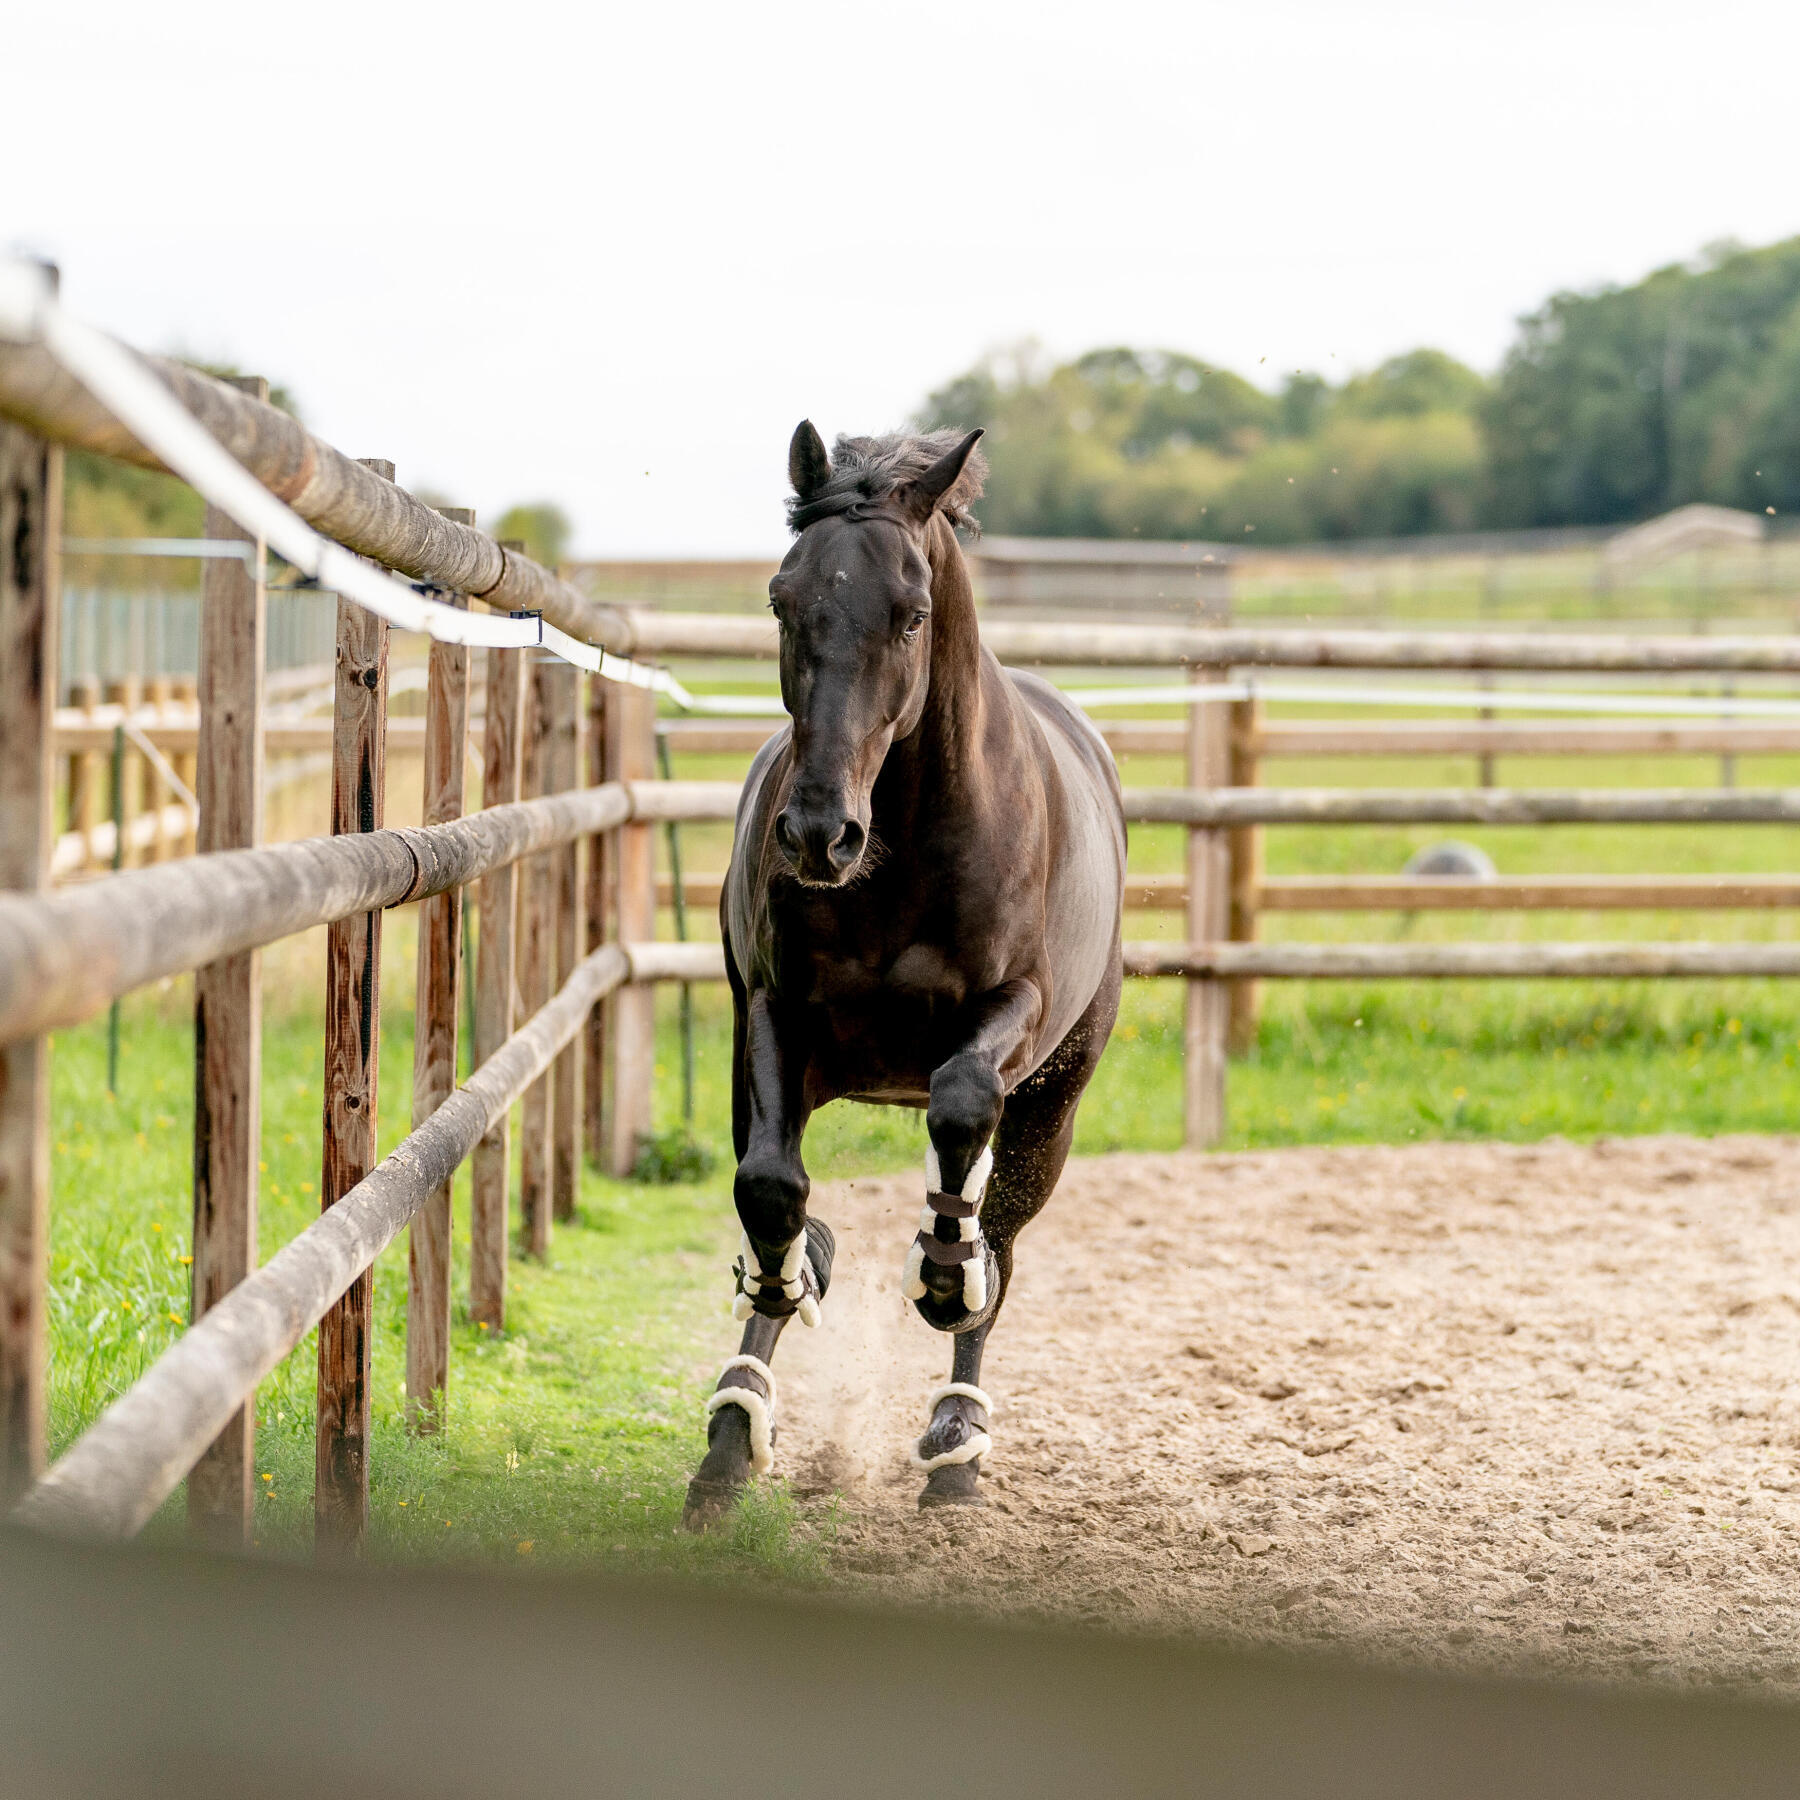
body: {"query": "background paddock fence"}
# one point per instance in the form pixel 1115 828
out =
pixel 108 633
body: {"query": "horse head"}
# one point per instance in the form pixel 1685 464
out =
pixel 854 601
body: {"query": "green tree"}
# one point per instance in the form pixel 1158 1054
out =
pixel 1409 386
pixel 541 526
pixel 1619 403
pixel 1153 443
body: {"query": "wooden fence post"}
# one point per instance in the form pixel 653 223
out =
pixel 1244 847
pixel 565 1073
pixel 87 772
pixel 30 607
pixel 537 957
pixel 495 968
pixel 352 1063
pixel 158 691
pixel 435 1013
pixel 127 691
pixel 1208 918
pixel 228 996
pixel 631 1011
pixel 597 902
pixel 187 762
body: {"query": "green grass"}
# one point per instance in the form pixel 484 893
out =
pixel 569 1436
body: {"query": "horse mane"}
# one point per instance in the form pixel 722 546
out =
pixel 866 470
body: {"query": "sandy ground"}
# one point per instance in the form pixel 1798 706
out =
pixel 1490 1405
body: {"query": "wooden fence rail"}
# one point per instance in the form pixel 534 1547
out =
pixel 1370 962
pixel 64 956
pixel 1462 806
pixel 1294 737
pixel 754 637
pixel 1413 962
pixel 1425 893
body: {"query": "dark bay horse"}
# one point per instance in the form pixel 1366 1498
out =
pixel 922 909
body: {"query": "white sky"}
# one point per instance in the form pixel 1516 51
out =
pixel 610 254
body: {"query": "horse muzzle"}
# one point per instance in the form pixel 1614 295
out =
pixel 823 850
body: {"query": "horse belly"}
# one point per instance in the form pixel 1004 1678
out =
pixel 1086 894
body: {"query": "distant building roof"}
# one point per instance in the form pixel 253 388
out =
pixel 1686 528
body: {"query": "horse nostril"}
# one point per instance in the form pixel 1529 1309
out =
pixel 847 846
pixel 786 836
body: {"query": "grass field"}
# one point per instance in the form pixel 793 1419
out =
pixel 570 1435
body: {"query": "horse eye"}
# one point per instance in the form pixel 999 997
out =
pixel 914 623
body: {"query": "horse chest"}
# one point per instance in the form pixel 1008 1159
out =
pixel 880 1018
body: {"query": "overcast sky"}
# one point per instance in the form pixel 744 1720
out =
pixel 609 255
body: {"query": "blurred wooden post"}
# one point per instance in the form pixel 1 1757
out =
pixel 537 958
pixel 597 903
pixel 31 473
pixel 1208 918
pixel 187 762
pixel 436 999
pixel 565 1073
pixel 158 691
pixel 126 692
pixel 87 772
pixel 631 1010
pixel 352 1063
pixel 496 905
pixel 1244 847
pixel 228 996
pixel 1484 763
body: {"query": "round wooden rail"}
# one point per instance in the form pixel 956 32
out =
pixel 1234 646
pixel 336 496
pixel 1463 806
pixel 130 1460
pixel 1411 962
pixel 65 955
pixel 1308 737
pixel 706 962
pixel 1426 893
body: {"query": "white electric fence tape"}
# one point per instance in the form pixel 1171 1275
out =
pixel 29 312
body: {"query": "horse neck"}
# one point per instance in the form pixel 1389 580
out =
pixel 947 763
pixel 954 708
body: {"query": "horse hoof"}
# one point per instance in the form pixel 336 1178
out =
pixel 709 1504
pixel 956 1484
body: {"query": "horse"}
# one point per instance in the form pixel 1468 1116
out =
pixel 922 909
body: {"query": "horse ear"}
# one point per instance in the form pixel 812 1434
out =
pixel 921 495
pixel 809 467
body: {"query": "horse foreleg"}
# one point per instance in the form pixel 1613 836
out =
pixel 782 1272
pixel 950 1271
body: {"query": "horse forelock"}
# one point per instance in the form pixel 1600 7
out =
pixel 865 471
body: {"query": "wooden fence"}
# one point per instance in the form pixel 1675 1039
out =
pixel 559 865
pixel 553 796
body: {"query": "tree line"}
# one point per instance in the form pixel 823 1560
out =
pixel 1610 405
